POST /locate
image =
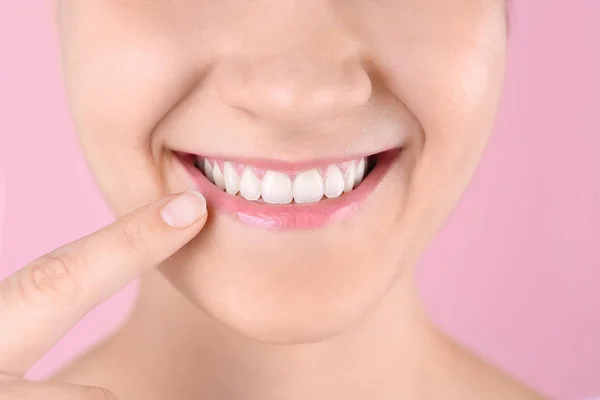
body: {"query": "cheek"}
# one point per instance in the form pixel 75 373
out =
pixel 469 90
pixel 118 97
pixel 452 82
pixel 446 68
pixel 115 118
pixel 123 73
pixel 454 94
pixel 119 94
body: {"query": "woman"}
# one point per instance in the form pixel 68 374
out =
pixel 277 168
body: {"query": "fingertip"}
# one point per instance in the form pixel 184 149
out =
pixel 200 198
pixel 185 210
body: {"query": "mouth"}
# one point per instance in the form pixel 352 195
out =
pixel 276 195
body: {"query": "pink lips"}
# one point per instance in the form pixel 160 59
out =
pixel 290 216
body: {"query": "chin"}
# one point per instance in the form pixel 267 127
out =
pixel 291 291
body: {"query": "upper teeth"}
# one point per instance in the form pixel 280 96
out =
pixel 279 188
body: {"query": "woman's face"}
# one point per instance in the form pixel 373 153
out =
pixel 279 101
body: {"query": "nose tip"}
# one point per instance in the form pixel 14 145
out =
pixel 293 89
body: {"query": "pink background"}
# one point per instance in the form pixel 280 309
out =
pixel 516 272
pixel 2 201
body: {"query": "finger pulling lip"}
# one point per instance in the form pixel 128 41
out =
pixel 290 216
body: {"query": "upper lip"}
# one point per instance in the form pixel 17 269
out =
pixel 282 165
pixel 285 155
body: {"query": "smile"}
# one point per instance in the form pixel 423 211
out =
pixel 271 195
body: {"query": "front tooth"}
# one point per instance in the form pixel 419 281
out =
pixel 308 186
pixel 360 172
pixel 334 182
pixel 208 170
pixel 349 177
pixel 218 177
pixel 232 181
pixel 277 188
pixel 249 185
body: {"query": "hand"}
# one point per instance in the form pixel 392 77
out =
pixel 41 302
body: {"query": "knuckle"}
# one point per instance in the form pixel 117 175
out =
pixel 51 280
pixel 133 235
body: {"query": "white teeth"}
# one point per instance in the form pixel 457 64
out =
pixel 308 187
pixel 218 177
pixel 277 188
pixel 360 172
pixel 334 182
pixel 232 181
pixel 249 185
pixel 349 177
pixel 208 170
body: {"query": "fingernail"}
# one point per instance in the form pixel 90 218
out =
pixel 184 210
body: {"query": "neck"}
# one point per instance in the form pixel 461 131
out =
pixel 195 357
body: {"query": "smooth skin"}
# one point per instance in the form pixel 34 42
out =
pixel 239 313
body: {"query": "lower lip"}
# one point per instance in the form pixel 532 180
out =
pixel 291 216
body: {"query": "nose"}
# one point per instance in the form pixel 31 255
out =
pixel 302 78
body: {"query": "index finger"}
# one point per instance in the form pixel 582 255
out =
pixel 41 302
